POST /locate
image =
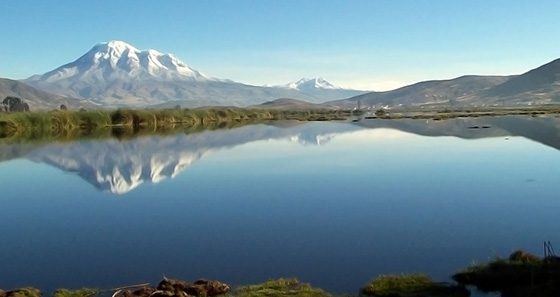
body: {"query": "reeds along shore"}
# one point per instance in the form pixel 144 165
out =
pixel 39 124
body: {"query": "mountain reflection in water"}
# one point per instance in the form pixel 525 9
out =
pixel 354 201
pixel 121 166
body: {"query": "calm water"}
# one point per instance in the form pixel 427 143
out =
pixel 333 204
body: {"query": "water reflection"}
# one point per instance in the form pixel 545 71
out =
pixel 121 166
pixel 267 201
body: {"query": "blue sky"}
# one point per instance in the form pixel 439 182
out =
pixel 375 45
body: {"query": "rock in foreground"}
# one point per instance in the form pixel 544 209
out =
pixel 178 288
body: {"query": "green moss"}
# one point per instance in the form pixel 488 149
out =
pixel 84 292
pixel 411 285
pixel 24 292
pixel 279 288
pixel 521 271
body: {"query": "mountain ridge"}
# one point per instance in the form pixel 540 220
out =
pixel 449 91
pixel 115 73
pixel 544 79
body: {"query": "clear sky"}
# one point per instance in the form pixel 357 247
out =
pixel 365 44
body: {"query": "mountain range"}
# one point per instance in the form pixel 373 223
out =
pixel 535 87
pixel 116 74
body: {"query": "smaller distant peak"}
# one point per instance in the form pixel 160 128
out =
pixel 316 83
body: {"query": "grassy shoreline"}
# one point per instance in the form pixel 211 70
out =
pixel 129 122
pixel 68 124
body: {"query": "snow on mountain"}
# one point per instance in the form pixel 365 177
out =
pixel 118 60
pixel 312 83
pixel 320 88
pixel 117 74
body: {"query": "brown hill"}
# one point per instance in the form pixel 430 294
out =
pixel 39 100
pixel 539 85
pixel 447 92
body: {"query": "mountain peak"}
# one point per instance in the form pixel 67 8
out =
pixel 117 60
pixel 311 83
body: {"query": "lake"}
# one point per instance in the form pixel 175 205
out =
pixel 333 204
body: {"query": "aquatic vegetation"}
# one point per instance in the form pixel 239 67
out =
pixel 411 285
pixel 43 124
pixel 520 273
pixel 280 287
pixel 22 292
pixel 66 124
pixel 83 292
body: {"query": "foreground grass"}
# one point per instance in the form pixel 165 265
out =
pixel 83 292
pixel 412 285
pixel 280 288
pixel 389 286
pixel 522 274
pixel 70 124
pixel 22 292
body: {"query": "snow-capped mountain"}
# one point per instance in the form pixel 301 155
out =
pixel 116 73
pixel 306 84
pixel 321 88
pixel 118 60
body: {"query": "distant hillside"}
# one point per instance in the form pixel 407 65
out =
pixel 541 85
pixel 39 100
pixel 535 87
pixel 447 92
pixel 287 103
